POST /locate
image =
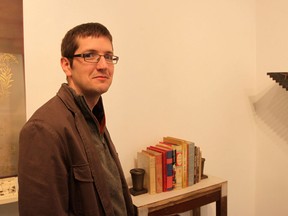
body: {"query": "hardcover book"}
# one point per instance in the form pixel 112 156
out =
pixel 190 164
pixel 167 167
pixel 158 169
pixel 182 143
pixel 177 164
pixel 147 162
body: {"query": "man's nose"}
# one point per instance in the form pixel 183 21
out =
pixel 102 62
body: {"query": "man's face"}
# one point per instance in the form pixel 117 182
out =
pixel 91 79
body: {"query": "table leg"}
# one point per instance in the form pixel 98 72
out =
pixel 197 211
pixel 221 206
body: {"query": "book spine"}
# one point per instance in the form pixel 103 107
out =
pixel 197 165
pixel 200 164
pixel 142 162
pixel 151 174
pixel 183 143
pixel 164 166
pixel 191 155
pixel 177 164
pixel 169 165
pixel 158 170
pixel 185 165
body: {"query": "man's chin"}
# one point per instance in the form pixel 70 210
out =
pixel 97 92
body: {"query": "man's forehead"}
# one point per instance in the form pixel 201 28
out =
pixel 90 42
pixel 84 38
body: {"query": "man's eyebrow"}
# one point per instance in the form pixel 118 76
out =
pixel 90 51
pixel 96 51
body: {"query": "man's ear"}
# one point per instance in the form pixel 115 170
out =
pixel 66 66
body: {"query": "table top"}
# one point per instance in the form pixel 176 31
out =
pixel 150 199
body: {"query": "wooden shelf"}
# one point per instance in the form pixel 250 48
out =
pixel 211 189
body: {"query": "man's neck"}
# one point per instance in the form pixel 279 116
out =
pixel 91 101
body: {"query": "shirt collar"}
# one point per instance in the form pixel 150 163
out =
pixel 97 112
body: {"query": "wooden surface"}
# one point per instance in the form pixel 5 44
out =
pixel 208 190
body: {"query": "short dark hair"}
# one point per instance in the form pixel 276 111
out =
pixel 69 43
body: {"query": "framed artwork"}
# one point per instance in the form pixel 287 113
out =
pixel 12 111
pixel 12 85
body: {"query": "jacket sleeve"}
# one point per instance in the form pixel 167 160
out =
pixel 42 172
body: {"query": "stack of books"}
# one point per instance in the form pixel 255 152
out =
pixel 172 163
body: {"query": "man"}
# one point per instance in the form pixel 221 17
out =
pixel 68 164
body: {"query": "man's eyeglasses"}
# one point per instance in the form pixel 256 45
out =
pixel 95 58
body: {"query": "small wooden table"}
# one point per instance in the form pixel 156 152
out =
pixel 212 189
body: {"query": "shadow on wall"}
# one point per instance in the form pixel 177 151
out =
pixel 272 108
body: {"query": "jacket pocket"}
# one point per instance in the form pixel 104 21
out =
pixel 82 173
pixel 83 197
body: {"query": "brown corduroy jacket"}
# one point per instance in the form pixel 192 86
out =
pixel 59 172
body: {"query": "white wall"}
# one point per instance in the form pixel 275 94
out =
pixel 271 103
pixel 187 69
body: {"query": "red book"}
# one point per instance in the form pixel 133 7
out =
pixel 158 169
pixel 167 167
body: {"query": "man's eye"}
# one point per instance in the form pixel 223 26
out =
pixel 108 57
pixel 89 55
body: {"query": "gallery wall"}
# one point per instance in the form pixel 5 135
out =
pixel 271 104
pixel 187 69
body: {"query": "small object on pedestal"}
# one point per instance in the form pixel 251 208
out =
pixel 202 170
pixel 137 175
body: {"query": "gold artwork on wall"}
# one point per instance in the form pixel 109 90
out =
pixel 6 75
